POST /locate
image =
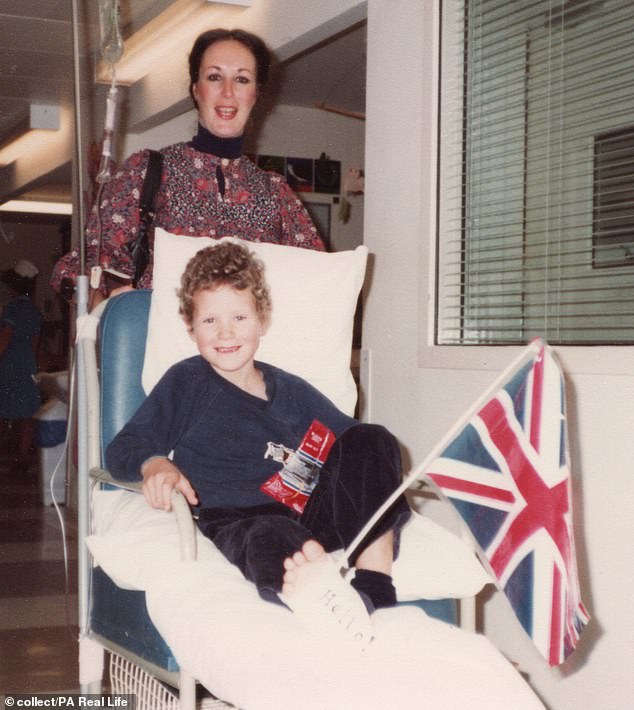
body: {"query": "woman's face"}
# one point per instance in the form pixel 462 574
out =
pixel 226 89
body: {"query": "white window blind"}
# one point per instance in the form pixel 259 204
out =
pixel 536 191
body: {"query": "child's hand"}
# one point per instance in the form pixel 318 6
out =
pixel 160 478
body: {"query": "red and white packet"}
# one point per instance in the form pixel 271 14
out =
pixel 294 483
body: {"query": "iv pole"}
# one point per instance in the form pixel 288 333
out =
pixel 80 384
pixel 91 654
pixel 79 153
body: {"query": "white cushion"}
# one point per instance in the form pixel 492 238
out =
pixel 433 563
pixel 134 543
pixel 314 299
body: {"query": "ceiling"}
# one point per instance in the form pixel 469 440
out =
pixel 37 68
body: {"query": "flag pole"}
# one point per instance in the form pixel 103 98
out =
pixel 525 356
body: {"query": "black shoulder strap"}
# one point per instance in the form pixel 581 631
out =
pixel 151 184
pixel 140 247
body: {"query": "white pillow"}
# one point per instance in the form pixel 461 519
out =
pixel 134 543
pixel 433 563
pixel 314 299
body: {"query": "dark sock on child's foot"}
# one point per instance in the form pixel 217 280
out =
pixel 377 586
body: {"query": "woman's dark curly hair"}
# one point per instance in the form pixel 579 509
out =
pixel 224 264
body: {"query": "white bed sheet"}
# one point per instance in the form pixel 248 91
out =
pixel 258 658
pixel 255 655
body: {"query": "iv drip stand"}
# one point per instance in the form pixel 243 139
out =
pixel 80 384
pixel 79 152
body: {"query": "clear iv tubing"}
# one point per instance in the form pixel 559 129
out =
pixel 105 163
pixel 111 45
pixel 111 52
pixel 104 173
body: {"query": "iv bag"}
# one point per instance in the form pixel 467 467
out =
pixel 111 41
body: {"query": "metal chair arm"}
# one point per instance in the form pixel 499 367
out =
pixel 180 508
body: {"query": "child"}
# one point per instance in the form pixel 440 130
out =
pixel 221 412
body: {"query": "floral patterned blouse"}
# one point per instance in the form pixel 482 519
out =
pixel 253 204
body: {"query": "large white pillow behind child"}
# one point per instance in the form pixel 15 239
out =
pixel 314 298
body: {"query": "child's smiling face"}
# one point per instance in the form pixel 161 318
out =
pixel 227 329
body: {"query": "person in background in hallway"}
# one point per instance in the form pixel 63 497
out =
pixel 208 186
pixel 19 330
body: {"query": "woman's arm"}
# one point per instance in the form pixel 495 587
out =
pixel 297 227
pixel 112 225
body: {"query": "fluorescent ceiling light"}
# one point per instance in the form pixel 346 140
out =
pixel 24 144
pixel 37 207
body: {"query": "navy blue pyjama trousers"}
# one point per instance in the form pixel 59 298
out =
pixel 362 469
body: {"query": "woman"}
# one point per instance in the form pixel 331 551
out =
pixel 208 188
pixel 19 330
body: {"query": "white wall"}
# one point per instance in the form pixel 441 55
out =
pixel 418 390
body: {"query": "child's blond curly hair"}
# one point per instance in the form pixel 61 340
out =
pixel 224 264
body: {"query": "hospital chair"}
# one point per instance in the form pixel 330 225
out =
pixel 116 620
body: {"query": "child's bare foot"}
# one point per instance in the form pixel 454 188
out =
pixel 294 577
pixel 322 600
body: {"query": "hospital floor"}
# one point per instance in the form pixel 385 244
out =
pixel 38 601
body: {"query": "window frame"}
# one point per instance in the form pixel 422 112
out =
pixel 613 360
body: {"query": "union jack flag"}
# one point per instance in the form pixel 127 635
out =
pixel 506 472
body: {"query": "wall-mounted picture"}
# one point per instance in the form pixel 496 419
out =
pixel 305 174
pixel 274 163
pixel 299 173
pixel 327 176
